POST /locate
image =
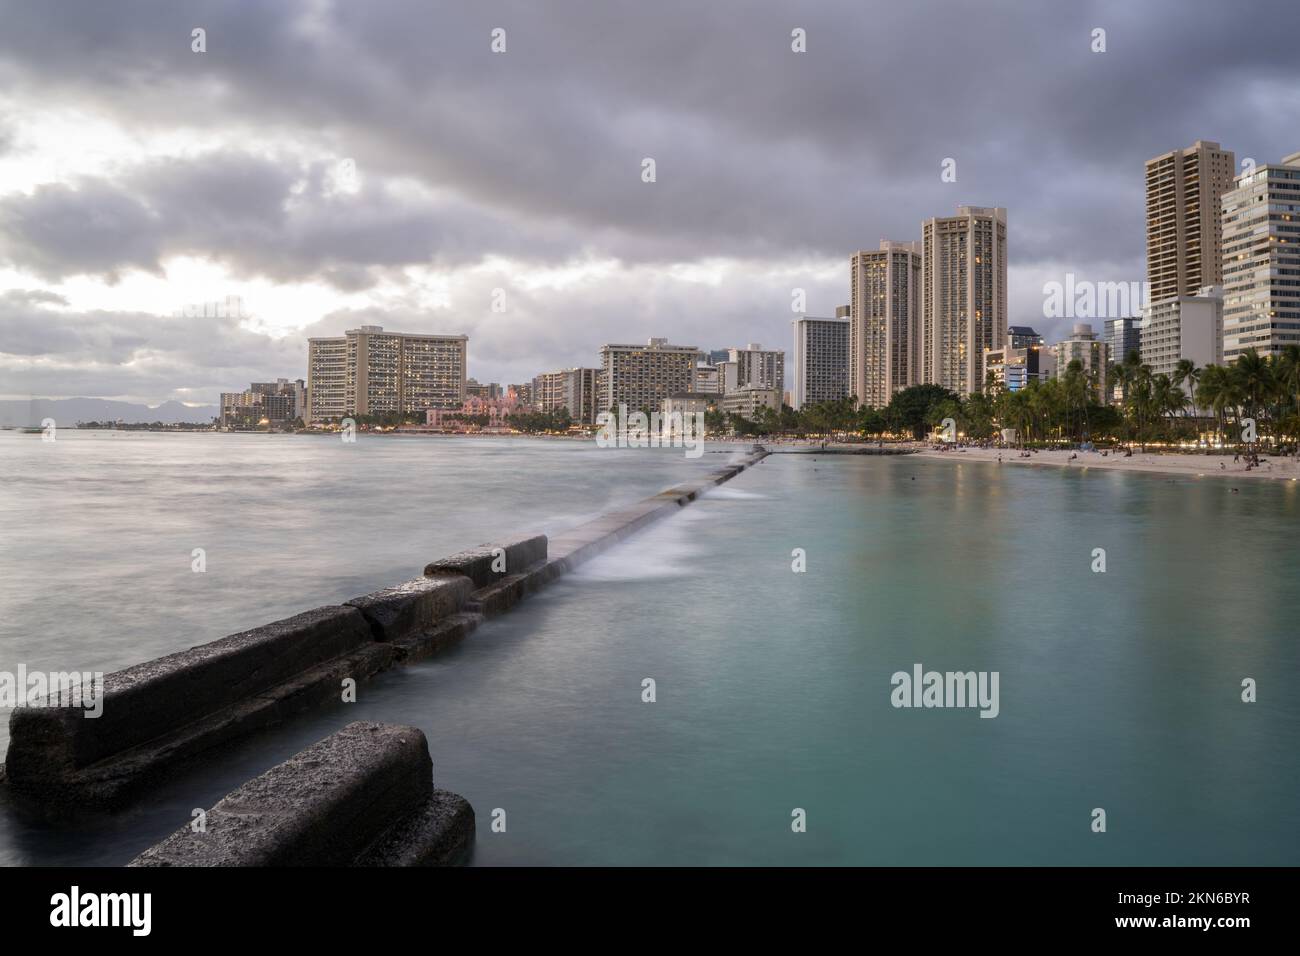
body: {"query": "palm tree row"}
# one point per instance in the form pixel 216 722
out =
pixel 1254 399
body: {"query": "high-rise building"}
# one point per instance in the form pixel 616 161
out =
pixel 758 366
pixel 884 320
pixel 728 376
pixel 573 389
pixel 1184 227
pixel 821 360
pixel 1089 351
pixel 642 376
pixel 1261 260
pixel 368 371
pixel 1185 327
pixel 964 295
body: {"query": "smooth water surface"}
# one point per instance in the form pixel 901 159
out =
pixel 1119 690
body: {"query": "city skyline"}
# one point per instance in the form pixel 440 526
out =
pixel 324 203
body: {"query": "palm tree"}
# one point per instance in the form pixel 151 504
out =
pixel 1186 371
pixel 1219 392
pixel 1254 377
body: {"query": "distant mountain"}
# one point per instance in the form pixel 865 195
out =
pixel 67 412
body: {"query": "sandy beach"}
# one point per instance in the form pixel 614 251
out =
pixel 1193 466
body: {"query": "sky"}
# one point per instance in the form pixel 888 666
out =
pixel 174 224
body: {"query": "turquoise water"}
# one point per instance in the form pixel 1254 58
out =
pixel 1118 690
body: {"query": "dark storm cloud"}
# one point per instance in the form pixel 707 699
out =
pixel 260 216
pixel 763 154
pixel 759 149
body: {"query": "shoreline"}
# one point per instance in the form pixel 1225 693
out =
pixel 1189 466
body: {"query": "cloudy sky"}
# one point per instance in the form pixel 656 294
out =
pixel 339 163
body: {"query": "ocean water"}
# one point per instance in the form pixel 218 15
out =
pixel 1118 690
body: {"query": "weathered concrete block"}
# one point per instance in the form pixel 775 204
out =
pixel 477 563
pixel 152 699
pixel 414 607
pixel 453 630
pixel 346 799
pixel 440 833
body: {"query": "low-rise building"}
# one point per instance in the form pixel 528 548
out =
pixel 747 400
pixel 476 414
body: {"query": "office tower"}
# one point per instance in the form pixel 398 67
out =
pixel 1122 337
pixel 884 315
pixel 1091 352
pixel 1261 260
pixel 1184 227
pixel 758 366
pixel 642 376
pixel 821 360
pixel 1185 327
pixel 964 295
pixel 368 371
pixel 573 389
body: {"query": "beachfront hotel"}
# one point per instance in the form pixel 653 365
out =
pixel 1261 260
pixel 1184 327
pixel 368 371
pixel 1184 230
pixel 884 320
pixel 821 360
pixel 642 376
pixel 964 296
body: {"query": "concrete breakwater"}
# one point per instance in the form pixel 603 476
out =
pixel 161 715
pixel 363 796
